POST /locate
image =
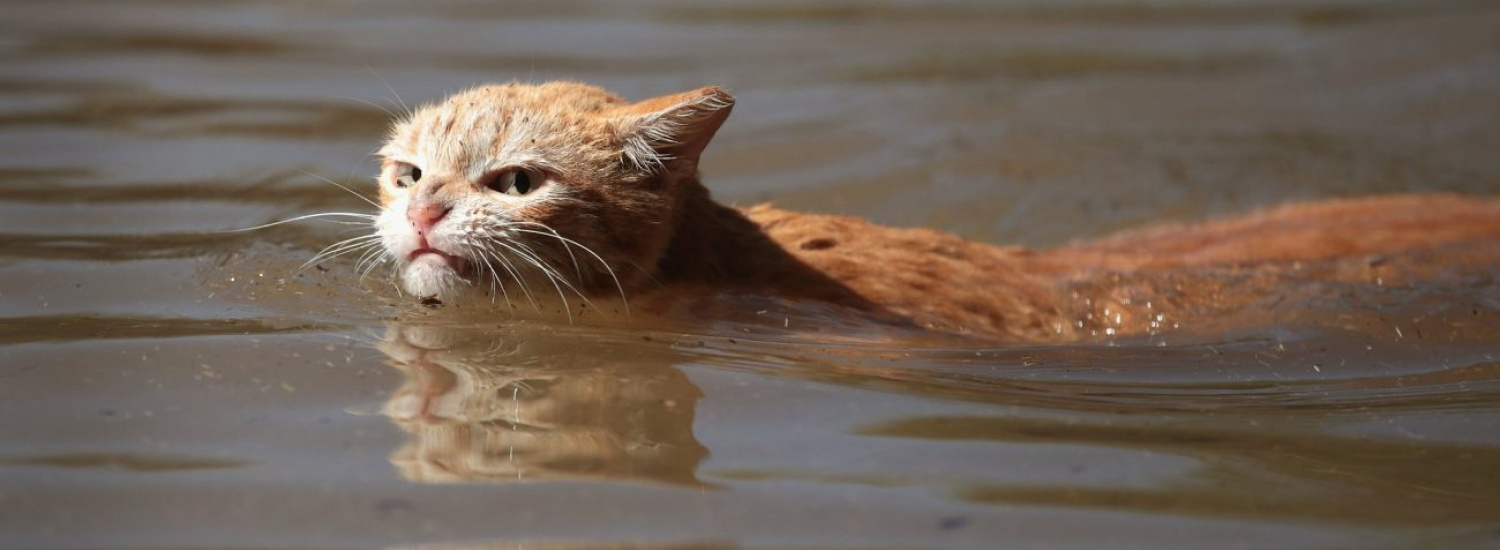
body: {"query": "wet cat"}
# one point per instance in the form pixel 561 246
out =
pixel 569 191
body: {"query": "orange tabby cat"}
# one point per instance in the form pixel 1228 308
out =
pixel 566 187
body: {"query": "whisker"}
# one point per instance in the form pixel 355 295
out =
pixel 359 264
pixel 550 278
pixel 370 103
pixel 618 286
pixel 347 250
pixel 301 218
pixel 331 254
pixel 342 247
pixel 374 257
pixel 387 84
pixel 576 268
pixel 357 238
pixel 374 264
pixel 514 275
pixel 392 279
pixel 553 272
pixel 493 277
pixel 340 186
pixel 515 271
pixel 495 280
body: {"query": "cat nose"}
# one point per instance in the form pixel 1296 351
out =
pixel 424 215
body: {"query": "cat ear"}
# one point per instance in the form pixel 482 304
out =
pixel 672 130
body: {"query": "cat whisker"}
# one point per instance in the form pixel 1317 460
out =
pixel 371 267
pixel 387 84
pixel 339 248
pixel 576 268
pixel 570 242
pixel 354 239
pixel 377 255
pixel 496 284
pixel 489 271
pixel 552 272
pixel 553 280
pixel 329 255
pixel 302 218
pixel 369 255
pixel 494 277
pixel 342 247
pixel 646 273
pixel 514 275
pixel 482 267
pixel 520 279
pixel 370 103
pixel 395 270
pixel 340 186
pixel 345 251
pixel 548 273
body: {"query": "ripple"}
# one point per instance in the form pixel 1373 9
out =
pixel 126 461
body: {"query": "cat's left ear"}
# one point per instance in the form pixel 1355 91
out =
pixel 671 131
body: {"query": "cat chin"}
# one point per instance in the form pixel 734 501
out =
pixel 432 278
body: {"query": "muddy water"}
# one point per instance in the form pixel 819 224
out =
pixel 162 385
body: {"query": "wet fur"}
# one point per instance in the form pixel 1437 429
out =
pixel 628 216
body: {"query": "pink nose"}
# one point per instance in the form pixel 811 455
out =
pixel 424 215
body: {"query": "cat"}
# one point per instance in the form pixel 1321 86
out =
pixel 568 190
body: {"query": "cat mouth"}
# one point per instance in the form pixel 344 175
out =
pixel 452 261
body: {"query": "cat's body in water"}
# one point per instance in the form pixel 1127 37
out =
pixel 515 190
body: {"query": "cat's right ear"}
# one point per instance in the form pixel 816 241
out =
pixel 671 131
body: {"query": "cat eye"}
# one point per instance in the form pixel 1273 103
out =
pixel 407 174
pixel 516 182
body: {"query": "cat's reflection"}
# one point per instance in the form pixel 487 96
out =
pixel 503 405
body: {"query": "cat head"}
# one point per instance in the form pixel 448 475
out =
pixel 561 185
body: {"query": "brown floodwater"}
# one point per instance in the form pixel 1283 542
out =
pixel 165 385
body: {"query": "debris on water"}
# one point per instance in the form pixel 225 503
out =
pixel 953 522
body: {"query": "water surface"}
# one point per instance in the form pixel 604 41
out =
pixel 163 385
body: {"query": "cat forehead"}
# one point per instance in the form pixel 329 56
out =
pixel 481 116
pixel 551 101
pixel 572 96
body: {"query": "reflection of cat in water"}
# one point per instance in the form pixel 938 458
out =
pixel 491 405
pixel 568 191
